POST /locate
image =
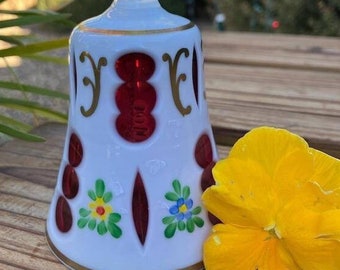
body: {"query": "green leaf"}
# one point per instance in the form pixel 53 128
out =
pixel 32 107
pixel 181 225
pixel 168 219
pixel 171 196
pixel 170 230
pixel 32 89
pixel 198 221
pixel 92 195
pixel 100 188
pixel 190 225
pixel 32 19
pixel 92 224
pixel 107 197
pixel 101 228
pixel 196 210
pixel 34 48
pixel 114 230
pixel 177 186
pixel 47 58
pixel 10 122
pixel 22 135
pixel 82 222
pixel 114 217
pixel 84 212
pixel 11 39
pixel 28 12
pixel 186 192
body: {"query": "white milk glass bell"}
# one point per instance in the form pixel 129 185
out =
pixel 139 146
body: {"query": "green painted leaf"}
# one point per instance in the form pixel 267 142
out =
pixel 171 196
pixel 92 224
pixel 114 217
pixel 198 221
pixel 100 188
pixel 181 225
pixel 92 195
pixel 114 230
pixel 170 230
pixel 107 197
pixel 101 228
pixel 196 210
pixel 82 222
pixel 190 225
pixel 84 212
pixel 168 219
pixel 186 192
pixel 177 187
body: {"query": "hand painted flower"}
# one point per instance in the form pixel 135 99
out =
pixel 100 214
pixel 279 203
pixel 182 216
pixel 182 209
pixel 99 209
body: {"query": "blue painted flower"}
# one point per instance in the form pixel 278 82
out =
pixel 183 215
pixel 182 209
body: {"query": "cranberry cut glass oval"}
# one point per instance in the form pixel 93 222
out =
pixel 140 209
pixel 63 215
pixel 70 182
pixel 75 151
pixel 203 151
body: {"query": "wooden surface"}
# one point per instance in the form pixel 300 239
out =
pixel 283 81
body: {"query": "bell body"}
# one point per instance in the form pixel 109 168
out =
pixel 137 143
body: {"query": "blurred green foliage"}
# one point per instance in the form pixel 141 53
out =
pixel 27 46
pixel 313 17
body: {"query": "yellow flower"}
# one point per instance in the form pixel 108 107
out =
pixel 279 204
pixel 99 209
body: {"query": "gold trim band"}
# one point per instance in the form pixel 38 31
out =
pixel 75 266
pixel 134 32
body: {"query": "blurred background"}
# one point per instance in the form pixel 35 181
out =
pixel 312 17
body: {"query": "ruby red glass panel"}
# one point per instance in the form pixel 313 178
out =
pixel 75 151
pixel 63 215
pixel 136 97
pixel 140 209
pixel 70 182
pixel 203 151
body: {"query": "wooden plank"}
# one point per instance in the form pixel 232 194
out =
pixel 18 260
pixel 25 242
pixel 22 222
pixel 28 207
pixel 285 51
pixel 305 102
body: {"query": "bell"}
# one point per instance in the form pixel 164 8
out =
pixel 138 142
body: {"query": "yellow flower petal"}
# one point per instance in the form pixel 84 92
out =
pixel 267 146
pixel 231 247
pixel 292 172
pixel 303 233
pixel 238 197
pixel 326 170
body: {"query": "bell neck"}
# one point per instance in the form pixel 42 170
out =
pixel 135 4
